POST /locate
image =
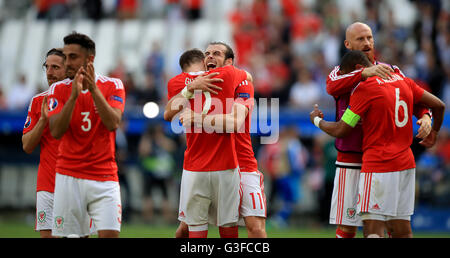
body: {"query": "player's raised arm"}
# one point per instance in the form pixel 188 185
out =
pixel 59 123
pixel 339 84
pixel 336 129
pixel 110 116
pixel 31 139
pixel 249 76
pixel 220 123
pixel 178 102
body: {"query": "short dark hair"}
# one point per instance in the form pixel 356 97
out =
pixel 54 51
pixel 351 59
pixel 229 53
pixel 80 39
pixel 191 56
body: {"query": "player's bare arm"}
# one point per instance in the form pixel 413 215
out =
pixel 110 116
pixel 381 70
pixel 425 126
pixel 31 139
pixel 249 77
pixel 59 123
pixel 438 108
pixel 205 83
pixel 180 101
pixel 336 129
pixel 231 122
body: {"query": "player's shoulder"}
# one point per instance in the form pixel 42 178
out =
pixel 226 68
pixel 40 95
pixel 109 81
pixel 335 71
pixel 37 99
pixel 394 67
pixel 367 85
pixel 59 85
pixel 246 84
pixel 179 78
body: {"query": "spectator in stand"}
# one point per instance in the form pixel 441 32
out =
pixel 193 9
pixel 93 9
pixel 149 92
pixel 157 166
pixel 20 94
pixel 127 9
pixel 42 7
pixel 3 101
pixel 285 162
pixel 305 91
pixel 154 67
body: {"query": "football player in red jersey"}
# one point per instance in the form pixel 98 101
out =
pixel 358 36
pixel 84 112
pixel 36 132
pixel 386 185
pixel 223 54
pixel 253 207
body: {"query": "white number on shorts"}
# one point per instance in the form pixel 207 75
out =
pixel 86 119
pixel 253 200
pixel 400 103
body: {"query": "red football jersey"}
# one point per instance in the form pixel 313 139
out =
pixel 244 94
pixel 386 108
pixel 340 87
pixel 87 149
pixel 48 146
pixel 210 151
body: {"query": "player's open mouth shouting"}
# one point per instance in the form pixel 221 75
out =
pixel 211 65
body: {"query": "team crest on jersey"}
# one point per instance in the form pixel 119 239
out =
pixel 59 221
pixel 52 104
pixel 27 122
pixel 351 212
pixel 41 216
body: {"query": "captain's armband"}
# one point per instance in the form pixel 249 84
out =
pixel 350 118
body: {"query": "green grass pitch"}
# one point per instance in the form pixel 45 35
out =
pixel 11 229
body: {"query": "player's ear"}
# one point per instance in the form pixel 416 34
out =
pixel 91 58
pixel 228 61
pixel 347 44
pixel 358 66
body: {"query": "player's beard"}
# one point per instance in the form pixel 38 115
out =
pixel 70 73
pixel 370 53
pixel 51 79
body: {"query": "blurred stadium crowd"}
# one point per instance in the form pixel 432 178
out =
pixel 289 46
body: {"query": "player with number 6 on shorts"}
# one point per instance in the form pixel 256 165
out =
pixel 84 112
pixel 387 181
pixel 358 36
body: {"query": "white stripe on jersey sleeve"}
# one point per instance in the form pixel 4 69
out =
pixel 334 74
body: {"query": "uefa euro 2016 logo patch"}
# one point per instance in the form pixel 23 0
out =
pixel 116 98
pixel 52 104
pixel 27 122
